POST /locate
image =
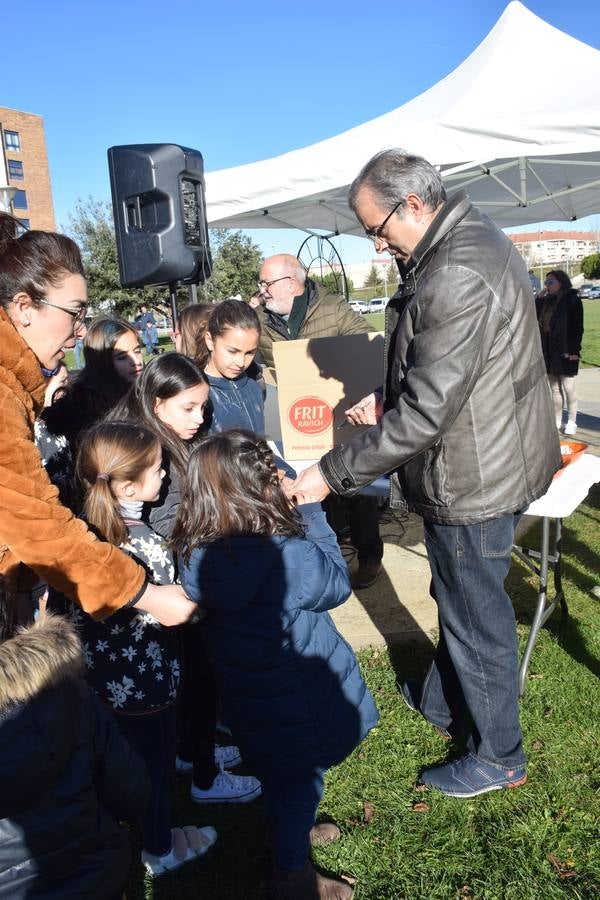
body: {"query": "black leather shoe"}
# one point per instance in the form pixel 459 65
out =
pixel 366 575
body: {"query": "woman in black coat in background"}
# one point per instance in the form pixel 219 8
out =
pixel 560 317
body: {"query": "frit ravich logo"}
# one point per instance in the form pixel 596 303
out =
pixel 310 415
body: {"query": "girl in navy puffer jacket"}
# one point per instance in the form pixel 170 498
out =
pixel 290 685
pixel 67 776
pixel 236 388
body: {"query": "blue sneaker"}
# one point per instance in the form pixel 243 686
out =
pixel 469 777
pixel 409 691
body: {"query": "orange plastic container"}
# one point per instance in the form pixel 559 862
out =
pixel 570 451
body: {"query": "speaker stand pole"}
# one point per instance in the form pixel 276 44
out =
pixel 173 294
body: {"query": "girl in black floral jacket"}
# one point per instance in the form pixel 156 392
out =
pixel 132 662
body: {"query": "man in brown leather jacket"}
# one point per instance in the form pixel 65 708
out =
pixel 466 428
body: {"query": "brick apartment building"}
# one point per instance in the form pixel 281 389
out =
pixel 24 169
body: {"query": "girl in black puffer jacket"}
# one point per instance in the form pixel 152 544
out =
pixel 67 776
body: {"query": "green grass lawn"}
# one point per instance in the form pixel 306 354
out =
pixel 538 842
pixel 590 350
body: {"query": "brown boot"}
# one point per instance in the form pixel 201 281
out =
pixel 333 888
pixel 307 884
pixel 297 884
pixel 324 833
pixel 366 574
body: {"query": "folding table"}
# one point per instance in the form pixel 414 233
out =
pixel 568 489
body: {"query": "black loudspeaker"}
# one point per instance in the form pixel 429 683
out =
pixel 160 214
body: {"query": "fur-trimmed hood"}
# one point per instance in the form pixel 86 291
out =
pixel 38 658
pixel 67 776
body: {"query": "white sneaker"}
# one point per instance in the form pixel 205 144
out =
pixel 188 843
pixel 182 765
pixel 570 428
pixel 225 758
pixel 228 788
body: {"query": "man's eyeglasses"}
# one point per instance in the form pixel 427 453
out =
pixel 78 315
pixel 375 233
pixel 267 284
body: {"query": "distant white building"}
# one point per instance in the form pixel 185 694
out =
pixel 359 271
pixel 561 249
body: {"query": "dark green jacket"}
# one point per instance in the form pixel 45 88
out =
pixel 328 315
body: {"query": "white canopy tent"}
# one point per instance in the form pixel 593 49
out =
pixel 517 125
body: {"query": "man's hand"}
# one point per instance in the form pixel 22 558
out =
pixel 302 498
pixel 309 483
pixel 367 411
pixel 167 603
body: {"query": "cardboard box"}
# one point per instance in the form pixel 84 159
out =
pixel 319 378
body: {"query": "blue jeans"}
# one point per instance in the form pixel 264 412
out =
pixel 475 668
pixel 153 736
pixel 291 802
pixel 79 353
pixel 150 336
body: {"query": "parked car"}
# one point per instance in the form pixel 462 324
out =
pixel 594 292
pixel 378 304
pixel 586 287
pixel 359 306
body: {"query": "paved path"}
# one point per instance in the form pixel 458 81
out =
pixel 398 608
pixel 588 419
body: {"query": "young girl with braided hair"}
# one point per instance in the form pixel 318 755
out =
pixel 265 573
pixel 132 662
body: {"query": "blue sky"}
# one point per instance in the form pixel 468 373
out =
pixel 239 81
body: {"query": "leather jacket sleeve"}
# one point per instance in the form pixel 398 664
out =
pixel 447 336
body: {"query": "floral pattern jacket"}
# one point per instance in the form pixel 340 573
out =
pixel 57 460
pixel 131 661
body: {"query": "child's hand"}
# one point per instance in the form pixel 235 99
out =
pixel 167 603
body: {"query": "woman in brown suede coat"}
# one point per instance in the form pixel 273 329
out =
pixel 43 302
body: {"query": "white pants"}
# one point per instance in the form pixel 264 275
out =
pixel 563 394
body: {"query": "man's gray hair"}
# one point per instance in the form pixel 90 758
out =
pixel 392 174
